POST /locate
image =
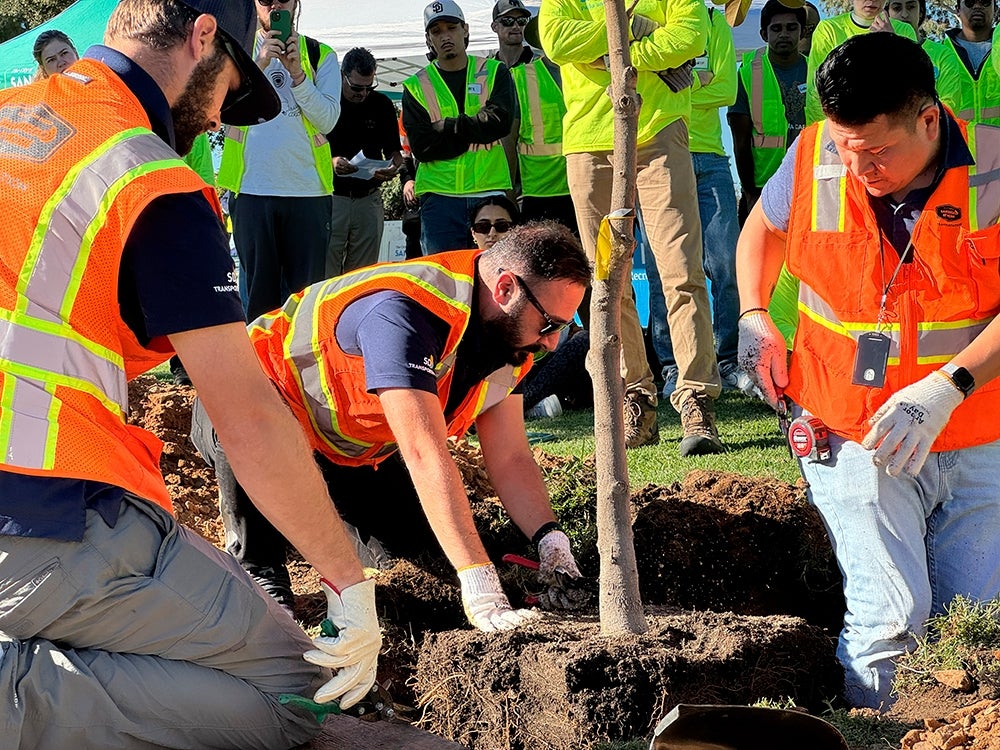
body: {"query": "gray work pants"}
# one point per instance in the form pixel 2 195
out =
pixel 140 636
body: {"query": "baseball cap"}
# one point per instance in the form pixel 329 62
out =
pixel 256 100
pixel 503 7
pixel 439 10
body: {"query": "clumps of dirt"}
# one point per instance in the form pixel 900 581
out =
pixel 937 700
pixel 165 410
pixel 726 542
pixel 975 727
pixel 559 683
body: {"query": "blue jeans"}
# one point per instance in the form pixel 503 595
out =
pixel 719 227
pixel 906 547
pixel 445 222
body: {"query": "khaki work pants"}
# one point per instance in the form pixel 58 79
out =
pixel 668 195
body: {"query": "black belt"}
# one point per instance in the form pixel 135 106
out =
pixel 359 193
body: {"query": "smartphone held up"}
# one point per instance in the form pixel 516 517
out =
pixel 281 21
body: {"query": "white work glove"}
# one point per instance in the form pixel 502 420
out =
pixel 642 26
pixel 353 652
pixel 762 354
pixel 485 604
pixel 555 565
pixel 906 426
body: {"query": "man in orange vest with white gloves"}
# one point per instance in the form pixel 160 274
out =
pixel 382 366
pixel 118 627
pixel 887 212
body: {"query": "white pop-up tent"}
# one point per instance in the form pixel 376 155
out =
pixel 393 30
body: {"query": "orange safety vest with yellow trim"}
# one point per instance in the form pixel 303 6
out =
pixel 325 386
pixel 937 305
pixel 80 163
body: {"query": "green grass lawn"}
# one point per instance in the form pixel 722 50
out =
pixel 748 428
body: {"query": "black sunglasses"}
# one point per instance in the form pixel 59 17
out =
pixel 246 88
pixel 551 324
pixel 358 89
pixel 483 226
pixel 507 21
pixel 980 3
pixel 269 3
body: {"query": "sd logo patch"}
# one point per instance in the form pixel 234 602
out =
pixel 32 133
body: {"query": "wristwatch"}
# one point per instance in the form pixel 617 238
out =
pixel 961 377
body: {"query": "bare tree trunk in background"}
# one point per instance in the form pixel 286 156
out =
pixel 620 603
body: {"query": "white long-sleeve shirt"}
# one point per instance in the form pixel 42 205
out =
pixel 278 154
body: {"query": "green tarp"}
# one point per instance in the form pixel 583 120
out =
pixel 83 21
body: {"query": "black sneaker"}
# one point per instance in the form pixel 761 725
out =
pixel 274 581
pixel 179 374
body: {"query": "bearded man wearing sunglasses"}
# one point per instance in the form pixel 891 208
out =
pixel 383 366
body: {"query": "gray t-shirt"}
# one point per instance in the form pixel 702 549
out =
pixel 977 51
pixel 792 83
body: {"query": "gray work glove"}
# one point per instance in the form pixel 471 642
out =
pixel 762 354
pixel 485 604
pixel 557 572
pixel 642 26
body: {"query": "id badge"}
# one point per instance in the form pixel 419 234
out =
pixel 870 360
pixel 475 89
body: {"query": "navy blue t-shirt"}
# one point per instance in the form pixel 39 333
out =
pixel 401 341
pixel 176 275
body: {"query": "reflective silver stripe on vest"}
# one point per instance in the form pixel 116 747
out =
pixel 28 450
pixel 965 114
pixel 829 175
pixel 484 95
pixel 988 113
pixel 53 271
pixel 939 342
pixel 236 133
pixel 538 146
pixel 817 310
pixel 768 141
pixel 38 348
pixel 499 385
pixel 309 367
pixel 757 94
pixel 430 95
pixel 984 175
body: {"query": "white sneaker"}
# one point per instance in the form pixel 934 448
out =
pixel 547 407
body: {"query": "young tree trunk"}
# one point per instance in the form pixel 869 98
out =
pixel 620 604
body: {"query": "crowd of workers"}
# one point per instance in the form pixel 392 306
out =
pixel 859 299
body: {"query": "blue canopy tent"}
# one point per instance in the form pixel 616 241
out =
pixel 83 22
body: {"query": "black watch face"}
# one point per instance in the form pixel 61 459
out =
pixel 964 380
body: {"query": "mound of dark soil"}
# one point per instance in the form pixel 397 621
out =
pixel 559 684
pixel 730 543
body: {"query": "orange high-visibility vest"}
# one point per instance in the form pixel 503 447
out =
pixel 937 305
pixel 325 386
pixel 79 164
